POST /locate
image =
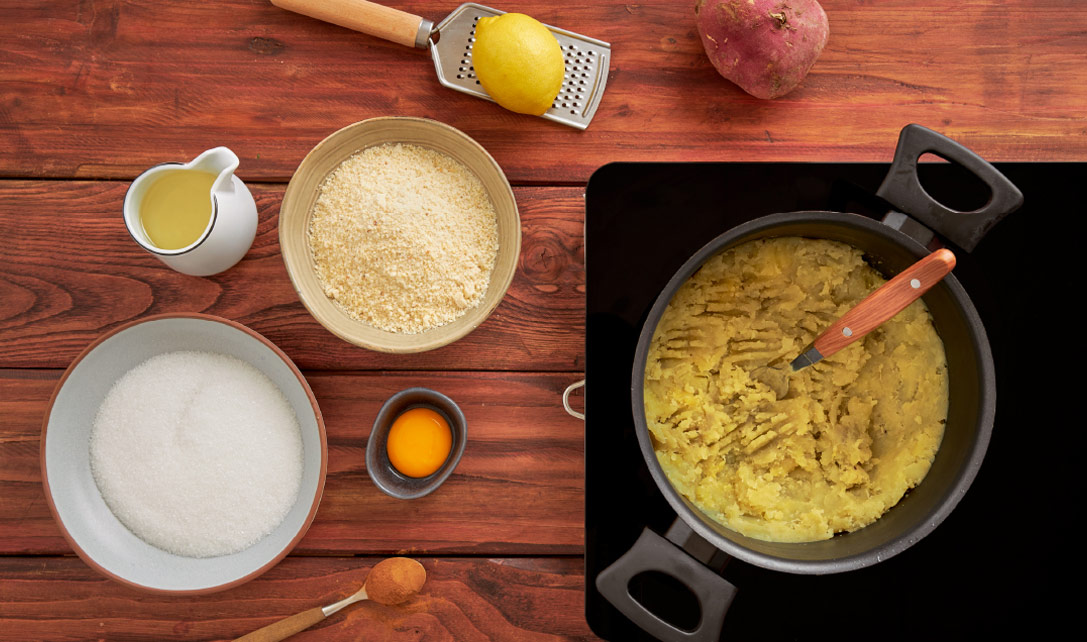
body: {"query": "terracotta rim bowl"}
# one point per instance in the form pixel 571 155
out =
pixel 85 520
pixel 302 193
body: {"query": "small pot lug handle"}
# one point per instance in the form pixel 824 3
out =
pixel 654 553
pixel 902 187
pixel 566 399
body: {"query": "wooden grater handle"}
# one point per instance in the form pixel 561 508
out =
pixel 887 301
pixel 286 627
pixel 369 18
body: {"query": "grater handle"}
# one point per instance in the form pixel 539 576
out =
pixel 386 23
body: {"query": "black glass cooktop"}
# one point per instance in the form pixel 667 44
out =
pixel 997 559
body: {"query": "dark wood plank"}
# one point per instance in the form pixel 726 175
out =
pixel 108 88
pixel 467 600
pixel 69 272
pixel 518 489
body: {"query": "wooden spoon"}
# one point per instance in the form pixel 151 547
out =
pixel 891 298
pixel 390 582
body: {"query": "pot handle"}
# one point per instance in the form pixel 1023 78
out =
pixel 902 187
pixel 654 553
pixel 566 399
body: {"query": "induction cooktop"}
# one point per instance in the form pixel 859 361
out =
pixel 992 563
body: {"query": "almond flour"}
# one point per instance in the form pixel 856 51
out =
pixel 403 238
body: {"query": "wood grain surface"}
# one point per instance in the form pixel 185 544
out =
pixel 466 600
pixel 93 92
pixel 69 272
pixel 105 88
pixel 517 490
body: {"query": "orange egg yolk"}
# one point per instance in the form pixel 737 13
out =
pixel 419 442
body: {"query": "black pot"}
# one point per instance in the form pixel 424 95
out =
pixel 890 247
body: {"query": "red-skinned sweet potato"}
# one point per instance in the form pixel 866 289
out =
pixel 764 46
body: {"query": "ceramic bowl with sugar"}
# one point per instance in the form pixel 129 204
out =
pixel 85 519
pixel 298 211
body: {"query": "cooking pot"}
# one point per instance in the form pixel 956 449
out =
pixel 904 236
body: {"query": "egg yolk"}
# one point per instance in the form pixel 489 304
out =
pixel 419 442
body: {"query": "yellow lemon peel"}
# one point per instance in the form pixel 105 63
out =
pixel 518 62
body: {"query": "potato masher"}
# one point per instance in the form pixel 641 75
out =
pixel 450 44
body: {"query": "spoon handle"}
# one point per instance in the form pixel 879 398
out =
pixel 890 299
pixel 286 627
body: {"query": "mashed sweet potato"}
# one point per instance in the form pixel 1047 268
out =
pixel 854 432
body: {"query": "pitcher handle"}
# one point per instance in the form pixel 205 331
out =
pixel 902 187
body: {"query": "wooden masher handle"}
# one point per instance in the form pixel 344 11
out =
pixel 286 627
pixel 386 23
pixel 890 299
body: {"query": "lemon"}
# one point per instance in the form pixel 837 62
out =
pixel 518 62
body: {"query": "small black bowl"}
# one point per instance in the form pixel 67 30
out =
pixel 381 470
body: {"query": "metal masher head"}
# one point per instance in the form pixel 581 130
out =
pixel 586 61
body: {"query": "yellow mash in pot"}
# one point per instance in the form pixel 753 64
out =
pixel 855 431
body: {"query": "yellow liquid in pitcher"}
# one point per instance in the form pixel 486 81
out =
pixel 176 208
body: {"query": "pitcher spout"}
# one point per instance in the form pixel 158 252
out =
pixel 220 161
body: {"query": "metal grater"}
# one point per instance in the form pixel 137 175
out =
pixel 451 42
pixel 586 62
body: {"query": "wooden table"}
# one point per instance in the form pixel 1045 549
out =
pixel 95 91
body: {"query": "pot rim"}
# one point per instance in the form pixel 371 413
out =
pixel 965 476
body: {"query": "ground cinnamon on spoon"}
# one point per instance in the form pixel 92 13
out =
pixel 395 580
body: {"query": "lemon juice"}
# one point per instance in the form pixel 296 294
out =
pixel 176 208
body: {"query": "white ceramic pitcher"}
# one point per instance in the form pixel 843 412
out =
pixel 232 226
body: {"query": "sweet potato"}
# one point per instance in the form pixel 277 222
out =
pixel 764 46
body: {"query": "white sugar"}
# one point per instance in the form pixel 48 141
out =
pixel 198 454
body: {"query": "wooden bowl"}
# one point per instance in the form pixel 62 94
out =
pixel 302 192
pixel 83 516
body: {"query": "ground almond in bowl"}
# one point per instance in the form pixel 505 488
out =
pixel 198 454
pixel 854 433
pixel 403 238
